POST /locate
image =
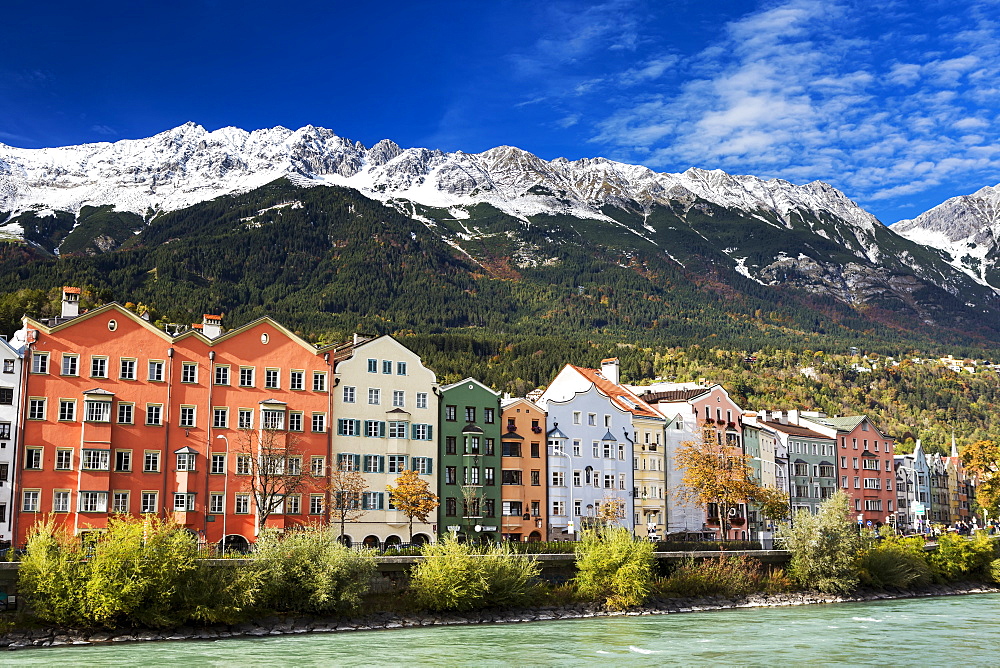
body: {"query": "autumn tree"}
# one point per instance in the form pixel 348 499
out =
pixel 346 490
pixel 982 459
pixel 413 497
pixel 611 510
pixel 720 473
pixel 273 460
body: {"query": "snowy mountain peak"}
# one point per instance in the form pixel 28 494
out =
pixel 189 164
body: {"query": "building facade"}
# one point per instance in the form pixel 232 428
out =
pixel 524 474
pixel 11 374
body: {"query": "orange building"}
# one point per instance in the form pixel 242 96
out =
pixel 207 428
pixel 523 475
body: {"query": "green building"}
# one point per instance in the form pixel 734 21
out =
pixel 469 438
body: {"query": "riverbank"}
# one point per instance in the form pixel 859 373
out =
pixel 292 625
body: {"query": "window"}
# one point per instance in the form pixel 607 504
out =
pixel 123 460
pixel 272 419
pixel 870 464
pixel 508 477
pixel 421 400
pixel 450 413
pixel 271 379
pixel 151 461
pixel 7 396
pixel 222 375
pixel 126 413
pixel 297 380
pixel 450 445
pixel 348 462
pixel 33 458
pixel 183 502
pixel 800 469
pixel 372 366
pixel 218 464
pixel 374 428
pixel 397 429
pixel 126 369
pixel 489 415
pixel 558 479
pixel 96 460
pixel 67 410
pixel 64 460
pixel 148 501
pixel 99 367
pixel 216 503
pixel 450 475
pixel 93 502
pixel 451 506
pixel 398 398
pixel 154 413
pixel 349 394
pixel 374 396
pixel 97 411
pixel 826 471
pixel 400 368
pixel 295 421
pixel 70 365
pixel 423 465
pixel 4 431
pixel 246 376
pixel 317 465
pixel 319 422
pixel 243 464
pixel 244 418
pixel 315 504
pixel 873 483
pixel 39 362
pixel 386 366
pixel 293 504
pixel 242 504
pixel 185 461
pixel 186 416
pixel 156 370
pixel 470 414
pixel 558 507
pixel 29 501
pixel 220 418
pixel 873 504
pixel 578 448
pixel 397 463
pixel 36 408
pixel 348 427
pixel 592 419
pixel 577 479
pixel 374 464
pixel 489 476
pixel 536 478
pixel 189 372
pixel 60 501
pixel 510 449
pixel 319 381
pixel 119 502
pixel 8 367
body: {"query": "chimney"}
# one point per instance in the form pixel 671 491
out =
pixel 793 416
pixel 70 302
pixel 211 325
pixel 609 368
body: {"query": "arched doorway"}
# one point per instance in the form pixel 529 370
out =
pixel 420 539
pixel 534 537
pixel 392 542
pixel 235 543
pixel 371 542
pixel 346 540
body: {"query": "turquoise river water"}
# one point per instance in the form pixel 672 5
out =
pixel 946 631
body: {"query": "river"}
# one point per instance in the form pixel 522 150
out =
pixel 952 630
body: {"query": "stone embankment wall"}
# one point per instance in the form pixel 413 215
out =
pixel 272 626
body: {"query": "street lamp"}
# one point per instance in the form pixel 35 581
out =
pixel 225 490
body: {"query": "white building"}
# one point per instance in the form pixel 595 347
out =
pixel 10 401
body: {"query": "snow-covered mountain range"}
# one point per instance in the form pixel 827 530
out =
pixel 188 164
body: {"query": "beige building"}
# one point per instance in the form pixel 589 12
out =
pixel 385 409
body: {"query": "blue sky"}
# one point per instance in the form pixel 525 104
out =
pixel 895 103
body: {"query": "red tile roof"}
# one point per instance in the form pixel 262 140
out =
pixel 793 430
pixel 620 396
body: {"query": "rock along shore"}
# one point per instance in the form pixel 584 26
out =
pixel 286 625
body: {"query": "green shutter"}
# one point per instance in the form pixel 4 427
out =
pixel 381 429
pixel 379 501
pixel 413 431
pixel 430 432
pixel 381 464
pixel 357 462
pixel 357 427
pixel 340 427
pixel 430 465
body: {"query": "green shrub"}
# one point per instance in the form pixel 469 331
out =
pixel 139 572
pixel 894 563
pixel 957 557
pixel 722 576
pixel 309 570
pixel 824 547
pixel 614 568
pixel 458 576
pixel 994 571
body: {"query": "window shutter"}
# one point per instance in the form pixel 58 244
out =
pixel 381 429
pixel 340 427
pixel 357 427
pixel 430 465
pixel 381 464
pixel 379 501
pixel 340 461
pixel 430 432
pixel 357 462
pixel 413 431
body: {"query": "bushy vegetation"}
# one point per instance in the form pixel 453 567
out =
pixel 460 577
pixel 957 558
pixel 140 572
pixel 614 568
pixel 894 562
pixel 722 576
pixel 309 570
pixel 824 547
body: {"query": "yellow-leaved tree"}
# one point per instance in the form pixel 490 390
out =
pixel 982 459
pixel 412 496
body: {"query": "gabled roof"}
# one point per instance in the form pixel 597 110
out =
pixel 674 395
pixel 556 433
pixel 622 397
pixel 445 388
pixel 846 423
pixel 793 430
